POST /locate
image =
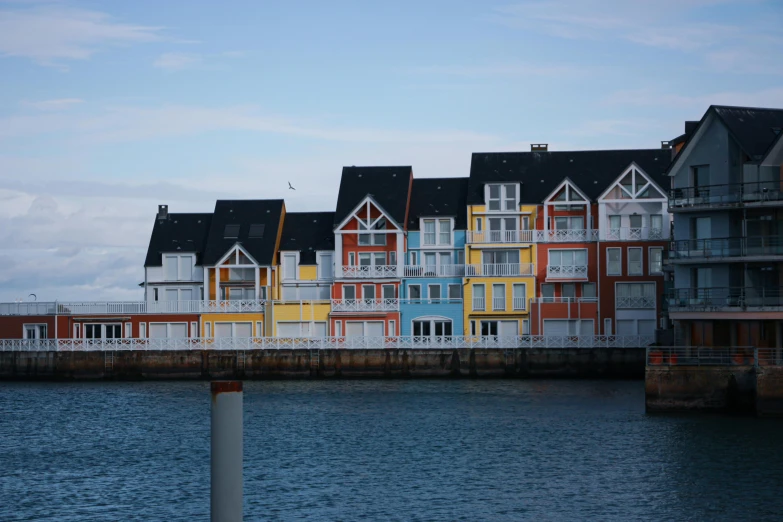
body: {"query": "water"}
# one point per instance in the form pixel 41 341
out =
pixel 384 450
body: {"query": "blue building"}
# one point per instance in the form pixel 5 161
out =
pixel 432 284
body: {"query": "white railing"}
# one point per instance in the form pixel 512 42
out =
pixel 434 300
pixel 498 304
pixel 499 236
pixel 566 236
pixel 131 307
pixel 634 302
pixel 478 304
pixel 365 305
pixel 343 343
pixel 636 234
pixel 500 269
pixel 434 271
pixel 368 272
pixel 519 303
pixel 567 271
pixel 563 300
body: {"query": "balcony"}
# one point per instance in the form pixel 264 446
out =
pixel 757 193
pixel 434 271
pixel 563 300
pixel 636 234
pixel 519 303
pixel 500 270
pixel 754 248
pixel 742 298
pixel 366 305
pixel 131 307
pixel 479 304
pixel 530 236
pixel 566 271
pixel 635 302
pixel 369 272
pixel 498 304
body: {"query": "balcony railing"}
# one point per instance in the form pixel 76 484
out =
pixel 519 303
pixel 434 271
pixel 531 236
pixel 498 304
pixel 567 271
pixel 321 343
pixel 638 302
pixel 479 304
pixel 369 272
pixel 636 234
pixel 131 307
pixel 431 300
pixel 563 300
pixel 365 305
pixel 500 269
pixel 701 249
pixel 716 298
pixel 730 195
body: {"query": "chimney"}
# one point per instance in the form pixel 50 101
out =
pixel 163 211
pixel 690 126
pixel 539 147
pixel 666 145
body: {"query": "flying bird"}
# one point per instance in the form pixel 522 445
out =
pixel 290 186
pixel 35 297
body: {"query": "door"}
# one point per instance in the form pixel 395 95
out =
pixel 509 328
pixel 374 328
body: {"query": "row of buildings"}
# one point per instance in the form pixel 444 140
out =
pixel 680 239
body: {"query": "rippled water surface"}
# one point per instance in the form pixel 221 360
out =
pixel 384 450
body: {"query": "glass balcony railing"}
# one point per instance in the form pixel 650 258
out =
pixel 701 249
pixel 735 194
pixel 716 298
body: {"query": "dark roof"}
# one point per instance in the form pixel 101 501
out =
pixel 439 197
pixel 308 232
pixel 178 233
pixel 244 213
pixel 387 185
pixel 752 128
pixel 592 171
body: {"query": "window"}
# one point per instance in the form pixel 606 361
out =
pixel 460 257
pixel 429 231
pixel 501 328
pixel 437 232
pixel 525 223
pixel 568 258
pixel 635 261
pixel 349 292
pixel 259 329
pixel 547 292
pixel 503 229
pixel 614 261
pixel 170 267
pixel 241 330
pixel 432 327
pixel 414 291
pixel 556 327
pixel 239 293
pixel 519 296
pixel 392 327
pixel 372 239
pixel 479 224
pixel 500 257
pixel 478 298
pixel 129 330
pixel 34 331
pixel 455 291
pixel 364 328
pixel 351 258
pixel 256 231
pixel 372 258
pixel 414 258
pixel 231 232
pixel 289 266
pixel 614 223
pixel 568 290
pixel 656 260
pixel 368 292
pixel 338 328
pixel 473 328
pixel 525 326
pixel 588 290
pixel 607 327
pixel 656 224
pixel 433 291
pixel 499 297
pixel 636 221
pixel 392 258
pixel 444 232
pixel 569 223
pixel 154 294
pixel 289 293
pixel 168 330
pixel 502 197
pixel 325 266
pixel 143 330
pixel 388 291
pixel 701 179
pixel 103 331
pixel 301 329
pixel 702 228
pixel 178 268
pixel 635 295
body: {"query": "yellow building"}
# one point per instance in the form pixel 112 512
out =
pixel 500 254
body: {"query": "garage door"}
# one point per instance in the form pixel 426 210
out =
pixel 509 328
pixel 555 327
pixel 568 327
pixel 374 329
pixel 626 327
pixel 288 329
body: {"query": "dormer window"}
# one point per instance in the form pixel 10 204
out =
pixel 502 197
pixel 437 232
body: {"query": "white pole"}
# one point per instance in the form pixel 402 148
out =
pixel 226 446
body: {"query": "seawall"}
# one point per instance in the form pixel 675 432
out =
pixel 587 363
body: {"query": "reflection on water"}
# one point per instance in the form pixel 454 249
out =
pixel 387 450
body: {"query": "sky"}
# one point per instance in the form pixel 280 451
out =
pixel 108 109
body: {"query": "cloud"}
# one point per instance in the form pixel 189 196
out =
pixel 177 61
pixel 53 105
pixel 52 34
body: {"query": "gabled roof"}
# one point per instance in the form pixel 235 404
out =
pixel 266 212
pixel 177 233
pixel 433 197
pixel 752 128
pixel 541 172
pixel 389 186
pixel 307 232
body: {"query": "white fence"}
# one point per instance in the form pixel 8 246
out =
pixel 131 307
pixel 434 270
pixel 365 305
pixel 367 272
pixel 500 269
pixel 317 343
pixel 636 234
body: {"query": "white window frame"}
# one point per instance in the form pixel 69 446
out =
pixel 479 224
pixel 650 258
pixel 178 259
pixel 320 264
pixel 351 258
pixel 524 296
pixel 619 262
pixel 414 258
pixel 641 261
pixel 234 326
pixel 384 287
pixel 418 285
pixel 503 196
pixel 338 328
pixel 168 327
pixel 473 297
pixel 37 327
pixel 142 330
pixel 287 256
pixel 208 329
pixel 608 326
pixel 505 297
pixel 452 285
pixel 128 333
pixel 193 329
pixel 429 290
pixel 103 329
pixel 437 223
pixel 392 328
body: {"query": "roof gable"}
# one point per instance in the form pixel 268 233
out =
pixel 388 186
pixel 363 213
pixel 752 128
pixel 178 233
pixel 570 193
pixel 435 197
pixel 232 222
pixel 633 183
pixel 307 233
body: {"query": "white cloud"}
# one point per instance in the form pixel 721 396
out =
pixel 52 34
pixel 177 61
pixel 53 105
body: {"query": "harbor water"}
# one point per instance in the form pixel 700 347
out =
pixel 384 450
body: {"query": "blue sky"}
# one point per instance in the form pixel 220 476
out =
pixel 109 108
